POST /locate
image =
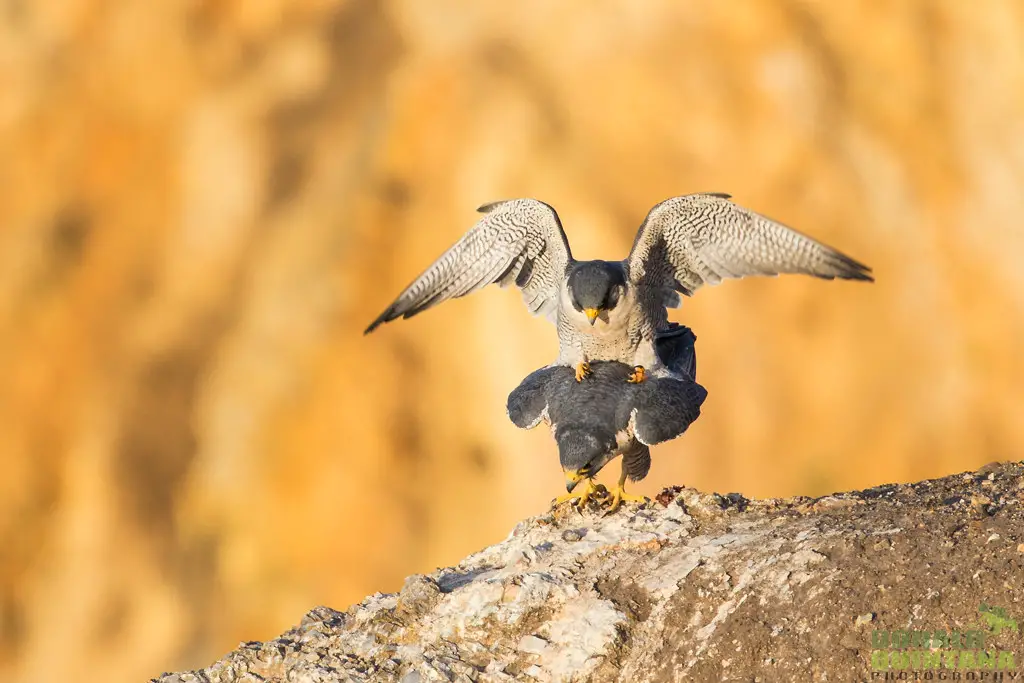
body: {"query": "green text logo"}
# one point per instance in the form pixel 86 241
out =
pixel 943 655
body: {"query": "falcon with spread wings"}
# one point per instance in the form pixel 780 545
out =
pixel 614 310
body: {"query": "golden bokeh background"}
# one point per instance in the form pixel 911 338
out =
pixel 203 203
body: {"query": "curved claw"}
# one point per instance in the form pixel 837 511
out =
pixel 584 492
pixel 619 496
pixel 638 375
pixel 582 371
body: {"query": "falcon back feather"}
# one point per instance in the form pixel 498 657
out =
pixel 587 417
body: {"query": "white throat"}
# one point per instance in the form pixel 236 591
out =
pixel 609 323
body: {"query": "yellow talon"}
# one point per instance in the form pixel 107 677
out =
pixel 582 371
pixel 638 375
pixel 584 492
pixel 619 494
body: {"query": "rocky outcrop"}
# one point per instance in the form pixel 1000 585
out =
pixel 694 586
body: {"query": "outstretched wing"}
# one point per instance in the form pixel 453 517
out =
pixel 519 241
pixel 699 239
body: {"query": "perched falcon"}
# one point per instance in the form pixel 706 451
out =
pixel 602 418
pixel 613 310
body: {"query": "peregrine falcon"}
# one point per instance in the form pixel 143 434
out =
pixel 613 310
pixel 602 418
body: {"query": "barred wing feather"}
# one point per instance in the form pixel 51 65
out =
pixel 519 241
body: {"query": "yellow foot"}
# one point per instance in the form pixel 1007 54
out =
pixel 584 492
pixel 638 375
pixel 620 496
pixel 583 370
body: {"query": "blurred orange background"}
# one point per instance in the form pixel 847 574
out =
pixel 203 203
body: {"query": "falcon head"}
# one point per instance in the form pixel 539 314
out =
pixel 596 287
pixel 583 453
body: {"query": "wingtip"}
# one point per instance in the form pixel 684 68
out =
pixel 384 317
pixel 855 275
pixel 861 272
pixel 490 206
pixel 851 269
pixel 395 312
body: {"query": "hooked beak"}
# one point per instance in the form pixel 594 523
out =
pixel 592 314
pixel 572 478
